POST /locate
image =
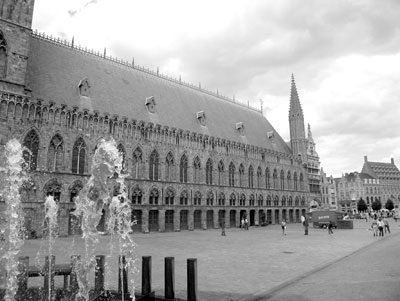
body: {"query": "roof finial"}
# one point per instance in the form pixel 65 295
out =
pixel 261 101
pixel 158 70
pixel 72 42
pixel 133 62
pixel 105 52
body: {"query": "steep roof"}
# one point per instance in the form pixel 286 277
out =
pixel 54 72
pixel 381 170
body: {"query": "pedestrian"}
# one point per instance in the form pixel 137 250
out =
pixel 222 226
pixel 374 227
pixel 305 227
pixel 242 224
pixel 381 225
pixel 386 224
pixel 246 223
pixel 283 225
pixel 330 227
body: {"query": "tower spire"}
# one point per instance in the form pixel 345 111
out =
pixel 295 105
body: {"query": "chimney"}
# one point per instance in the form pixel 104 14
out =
pixel 365 159
pixel 392 160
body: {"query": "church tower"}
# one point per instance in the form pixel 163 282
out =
pixel 15 34
pixel 298 139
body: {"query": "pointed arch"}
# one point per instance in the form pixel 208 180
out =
pixel 55 154
pixel 169 196
pixel 53 188
pixel 242 200
pixel 196 170
pixel 154 162
pixel 232 174
pixel 74 190
pixel 301 182
pixel 30 154
pixel 169 167
pixel 282 178
pixel 232 199
pixel 251 177
pixel 153 196
pixel 221 173
pixel 79 156
pixel 267 179
pixel 137 195
pixel 184 197
pixel 28 191
pixel 241 175
pixel 209 168
pixel 121 150
pixel 183 169
pixel 289 180
pixel 137 163
pixel 197 198
pixel 259 176
pixel 221 199
pixel 295 181
pixel 210 198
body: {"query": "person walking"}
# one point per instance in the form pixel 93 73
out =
pixel 305 227
pixel 330 227
pixel 381 225
pixel 374 227
pixel 386 224
pixel 246 223
pixel 222 226
pixel 283 225
pixel 242 224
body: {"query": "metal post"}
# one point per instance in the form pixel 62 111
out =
pixel 169 277
pixel 99 273
pixel 146 275
pixel 192 279
pixel 122 283
pixel 48 287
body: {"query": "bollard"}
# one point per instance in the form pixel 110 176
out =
pixel 191 279
pixel 73 281
pixel 122 273
pixel 48 270
pixel 23 266
pixel 146 275
pixel 169 277
pixel 99 273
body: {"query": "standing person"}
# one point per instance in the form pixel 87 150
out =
pixel 374 227
pixel 242 224
pixel 283 225
pixel 305 227
pixel 330 227
pixel 246 223
pixel 222 226
pixel 386 224
pixel 381 225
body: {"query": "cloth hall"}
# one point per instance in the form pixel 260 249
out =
pixel 193 156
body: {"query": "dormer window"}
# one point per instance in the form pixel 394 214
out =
pixel 240 128
pixel 84 87
pixel 201 117
pixel 150 104
pixel 270 135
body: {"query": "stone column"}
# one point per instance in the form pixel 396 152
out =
pixel 161 220
pixel 145 220
pixel 191 219
pixel 204 219
pixel 216 221
pixel 256 218
pixel 177 220
pixel 238 217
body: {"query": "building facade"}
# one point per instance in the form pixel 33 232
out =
pixel 328 192
pixel 193 156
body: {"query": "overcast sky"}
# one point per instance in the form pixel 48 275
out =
pixel 345 56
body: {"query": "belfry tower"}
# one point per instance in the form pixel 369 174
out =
pixel 15 34
pixel 298 139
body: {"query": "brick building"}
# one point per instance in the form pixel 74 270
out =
pixel 193 156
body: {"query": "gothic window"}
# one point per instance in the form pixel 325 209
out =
pixel 267 179
pixel 197 198
pixel 31 142
pixel 260 200
pixel 251 177
pixel 283 201
pixel 137 163
pixel 169 196
pixel 220 173
pixel 121 151
pixel 183 169
pixel 79 157
pixel 153 197
pixel 196 173
pixel 74 190
pixel 137 196
pixel 242 200
pixel 3 55
pixel 269 201
pixel 84 87
pixel 210 198
pixel 231 174
pixel 276 201
pixel 169 165
pixel 303 201
pixel 53 188
pixel 153 166
pixel 150 103
pixel 232 200
pixel 221 199
pixel 289 180
pixel 184 198
pixel 259 173
pixel 28 191
pixel 275 178
pixel 55 154
pixel 290 202
pixel 209 168
pixel 282 180
pixel 295 180
pixel 251 200
pixel 241 175
pixel 301 182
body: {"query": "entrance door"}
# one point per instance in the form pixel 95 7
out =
pixel 261 217
pixel 277 216
pixel 269 216
pixel 153 221
pixel 232 218
pixel 184 220
pixel 291 215
pixel 169 220
pixel 252 217
pixel 197 219
pixel 136 220
pixel 284 215
pixel 210 219
pixel 297 215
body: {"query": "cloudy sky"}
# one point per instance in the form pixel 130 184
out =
pixel 345 56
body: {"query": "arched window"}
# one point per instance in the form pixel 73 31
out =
pixel 169 167
pixel 290 202
pixel 183 169
pixel 153 197
pixel 251 200
pixel 289 180
pixel 295 181
pixel 210 198
pixel 301 182
pixel 275 178
pixel 53 188
pixel 137 195
pixel 74 190
pixel 303 201
pixel 269 202
pixel 242 200
pixel 197 198
pixel 153 166
pixel 267 179
pixel 283 201
pixel 251 177
pixel 184 198
pixel 296 201
pixel 196 170
pixel 231 174
pixel 79 156
pixel 221 199
pixel 3 56
pixel 232 200
pixel 260 200
pixel 241 175
pixel 121 151
pixel 221 173
pixel 31 142
pixel 169 196
pixel 55 154
pixel 282 180
pixel 209 167
pixel 259 174
pixel 137 163
pixel 276 201
pixel 28 191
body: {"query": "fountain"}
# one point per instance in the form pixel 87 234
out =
pixel 93 200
